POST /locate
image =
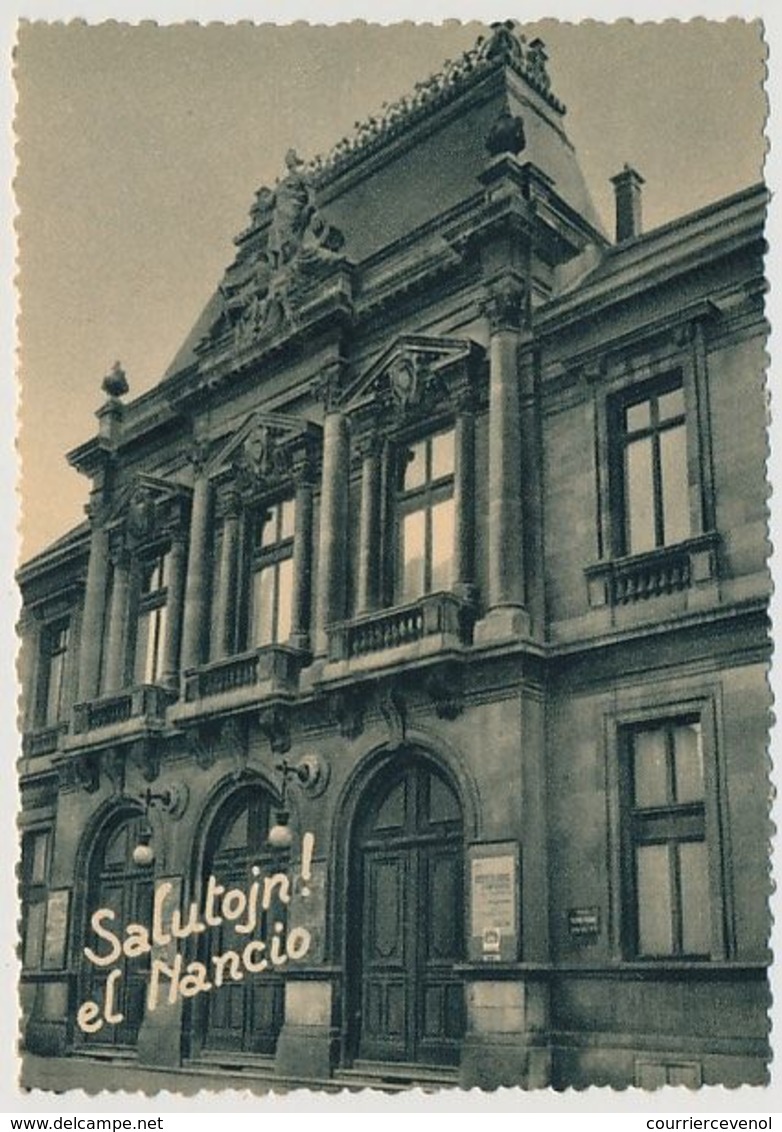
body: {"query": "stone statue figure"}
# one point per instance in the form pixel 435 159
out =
pixel 293 209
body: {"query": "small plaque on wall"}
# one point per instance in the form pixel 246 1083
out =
pixel 56 934
pixel 494 902
pixel 584 922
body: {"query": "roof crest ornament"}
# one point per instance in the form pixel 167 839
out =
pixel 505 47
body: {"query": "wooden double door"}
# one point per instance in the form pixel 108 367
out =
pixel 116 883
pixel 407 926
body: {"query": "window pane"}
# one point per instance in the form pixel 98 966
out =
pixel 284 599
pixel 673 469
pixel 442 546
pixel 155 645
pixel 287 518
pixel 655 931
pixel 638 416
pixel 263 606
pixel 694 879
pixel 442 455
pixel 33 936
pixel 142 648
pixel 640 496
pixel 413 536
pixel 54 689
pixel 37 852
pixel 650 769
pixel 670 405
pixel 415 468
pixel 688 763
pixel 269 526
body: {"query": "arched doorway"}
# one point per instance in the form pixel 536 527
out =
pixel 117 883
pixel 244 1015
pixel 406 918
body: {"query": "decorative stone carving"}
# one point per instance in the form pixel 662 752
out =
pixel 141 514
pixel 114 768
pixel 506 135
pixel 300 246
pixel 330 383
pixel 504 305
pixel 445 685
pixel 234 738
pixel 115 383
pixel 86 769
pixel 394 711
pixel 145 756
pixel 199 455
pixel 274 722
pixel 347 711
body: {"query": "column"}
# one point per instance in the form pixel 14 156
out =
pixel 230 506
pixel 464 499
pixel 506 596
pixel 369 526
pixel 196 586
pixel 302 559
pixel 28 663
pixel 332 543
pixel 116 631
pixel 174 607
pixel 94 609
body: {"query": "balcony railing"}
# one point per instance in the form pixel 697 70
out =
pixel 276 666
pixel 44 741
pixel 148 701
pixel 668 570
pixel 436 614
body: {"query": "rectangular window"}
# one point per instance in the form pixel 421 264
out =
pixel 425 510
pixel 668 875
pixel 271 597
pixel 34 875
pixel 151 622
pixel 53 706
pixel 655 497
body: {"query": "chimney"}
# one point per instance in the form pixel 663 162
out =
pixel 627 193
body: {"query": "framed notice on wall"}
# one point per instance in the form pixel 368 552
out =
pixel 56 934
pixel 493 901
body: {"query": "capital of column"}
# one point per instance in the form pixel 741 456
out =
pixel 198 455
pixel 504 304
pixel 229 503
pixel 330 383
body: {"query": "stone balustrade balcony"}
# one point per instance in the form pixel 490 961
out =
pixel 240 681
pixel 435 622
pixel 44 740
pixel 666 570
pixel 119 715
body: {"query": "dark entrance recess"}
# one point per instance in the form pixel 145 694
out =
pixel 116 882
pixel 405 919
pixel 242 1016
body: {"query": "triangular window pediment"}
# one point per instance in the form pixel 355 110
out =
pixel 267 448
pixel 413 373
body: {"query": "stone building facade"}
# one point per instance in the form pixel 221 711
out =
pixel 440 553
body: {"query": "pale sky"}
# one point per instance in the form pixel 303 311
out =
pixel 140 150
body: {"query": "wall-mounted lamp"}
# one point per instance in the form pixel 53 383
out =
pixel 171 801
pixel 312 774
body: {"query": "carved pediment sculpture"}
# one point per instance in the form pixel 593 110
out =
pixel 298 248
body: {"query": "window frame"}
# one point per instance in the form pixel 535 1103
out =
pixel 50 630
pixel 636 712
pixel 619 440
pixel 152 604
pixel 270 557
pixel 668 823
pixel 33 892
pixel 424 498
